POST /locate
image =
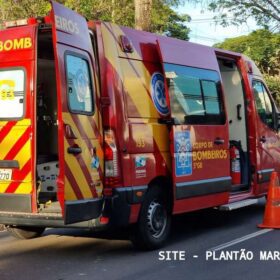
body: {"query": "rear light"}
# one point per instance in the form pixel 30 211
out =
pixel 20 22
pixel 112 171
pixel 104 220
pixel 14 23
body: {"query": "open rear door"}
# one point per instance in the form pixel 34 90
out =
pixel 17 71
pixel 198 132
pixel 80 152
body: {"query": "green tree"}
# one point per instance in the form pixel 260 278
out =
pixel 164 19
pixel 13 9
pixel 273 83
pixel 143 12
pixel 265 12
pixel 262 46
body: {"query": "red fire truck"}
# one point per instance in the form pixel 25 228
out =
pixel 102 125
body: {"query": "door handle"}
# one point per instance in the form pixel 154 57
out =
pixel 263 139
pixel 219 141
pixel 74 150
pixel 239 112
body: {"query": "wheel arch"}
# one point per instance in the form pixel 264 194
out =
pixel 165 183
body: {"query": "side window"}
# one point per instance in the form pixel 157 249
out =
pixel 211 97
pixel 263 103
pixel 12 93
pixel 194 95
pixel 79 87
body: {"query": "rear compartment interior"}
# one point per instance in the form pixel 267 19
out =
pixel 47 129
pixel 236 109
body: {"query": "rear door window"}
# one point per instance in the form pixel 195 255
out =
pixel 79 84
pixel 12 93
pixel 263 103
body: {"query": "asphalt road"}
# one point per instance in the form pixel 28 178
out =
pixel 76 254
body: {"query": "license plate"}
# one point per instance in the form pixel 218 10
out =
pixel 6 174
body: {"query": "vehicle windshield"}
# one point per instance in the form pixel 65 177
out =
pixel 12 93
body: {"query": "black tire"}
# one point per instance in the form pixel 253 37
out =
pixel 154 223
pixel 25 232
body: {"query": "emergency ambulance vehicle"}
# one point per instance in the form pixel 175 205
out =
pixel 102 125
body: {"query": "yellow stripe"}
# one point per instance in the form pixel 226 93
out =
pixel 135 87
pixel 68 191
pixel 24 122
pixel 77 172
pixel 3 123
pixel 86 155
pixel 95 143
pixel 24 188
pixel 23 156
pixel 4 186
pixel 84 121
pixel 10 140
pixel 136 84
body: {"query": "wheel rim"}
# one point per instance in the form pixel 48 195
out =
pixel 157 219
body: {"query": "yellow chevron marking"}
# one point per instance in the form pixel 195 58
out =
pixel 4 186
pixel 68 191
pixel 94 141
pixel 77 171
pixel 24 188
pixel 23 156
pixel 24 122
pixel 3 123
pixel 135 86
pixel 136 90
pixel 10 140
pixel 96 81
pixel 84 120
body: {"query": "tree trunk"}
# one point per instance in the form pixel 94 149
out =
pixel 143 10
pixel 113 11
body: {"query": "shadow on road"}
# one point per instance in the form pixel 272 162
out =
pixel 184 226
pixel 71 252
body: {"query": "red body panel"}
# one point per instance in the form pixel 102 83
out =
pixel 147 142
pixel 18 50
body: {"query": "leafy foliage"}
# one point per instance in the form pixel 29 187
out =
pixel 14 9
pixel 264 48
pixel 164 18
pixel 261 45
pixel 273 83
pixel 167 21
pixel 265 12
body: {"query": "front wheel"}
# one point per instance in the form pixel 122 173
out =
pixel 154 222
pixel 25 232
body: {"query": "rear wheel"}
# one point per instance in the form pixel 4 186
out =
pixel 154 222
pixel 25 232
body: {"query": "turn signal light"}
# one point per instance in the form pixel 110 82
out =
pixel 112 172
